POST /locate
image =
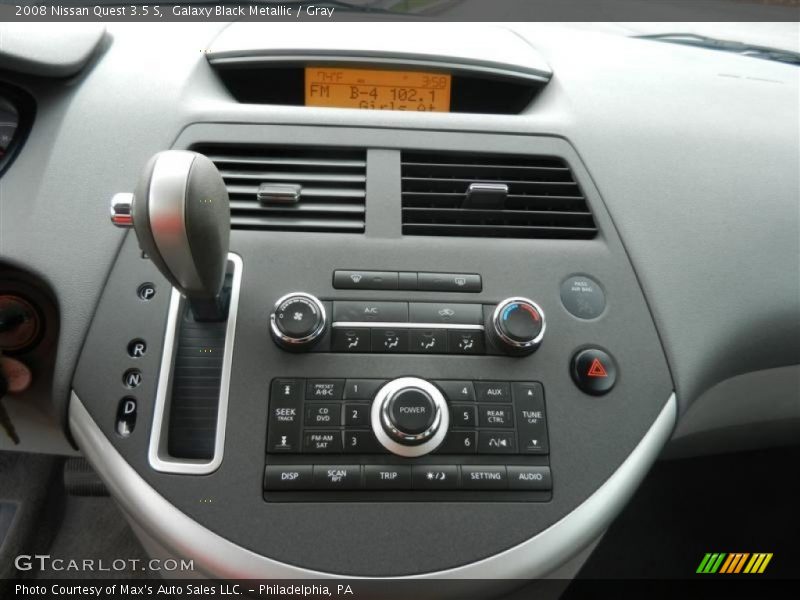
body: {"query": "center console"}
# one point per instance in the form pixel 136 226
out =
pixel 321 400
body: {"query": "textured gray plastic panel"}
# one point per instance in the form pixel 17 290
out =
pixel 589 437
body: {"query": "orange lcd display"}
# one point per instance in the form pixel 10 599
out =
pixel 373 89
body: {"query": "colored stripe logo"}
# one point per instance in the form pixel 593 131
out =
pixel 734 562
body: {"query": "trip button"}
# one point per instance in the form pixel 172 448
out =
pixel 323 415
pixel 529 478
pixel 323 442
pixel 285 477
pixel 495 416
pixel 380 477
pixel 351 339
pixel 324 389
pixel 496 442
pixel 434 477
pixel 337 477
pixel 389 340
pixel 492 391
pixel 484 477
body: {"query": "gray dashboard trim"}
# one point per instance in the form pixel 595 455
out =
pixel 219 557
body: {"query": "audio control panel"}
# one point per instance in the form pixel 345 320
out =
pixel 407 434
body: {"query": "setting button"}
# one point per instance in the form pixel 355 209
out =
pixel 324 389
pixel 529 478
pixel 484 477
pixel 380 477
pixel 434 477
pixel 337 477
pixel 323 415
pixel 285 477
pixel 492 391
pixel 495 416
pixel 594 371
pixel 324 442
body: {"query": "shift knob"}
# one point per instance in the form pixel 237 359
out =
pixel 181 214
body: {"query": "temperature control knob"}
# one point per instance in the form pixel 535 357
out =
pixel 517 325
pixel 409 416
pixel 298 321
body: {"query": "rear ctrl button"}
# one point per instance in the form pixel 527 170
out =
pixel 594 371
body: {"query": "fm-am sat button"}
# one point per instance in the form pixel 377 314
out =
pixel 323 441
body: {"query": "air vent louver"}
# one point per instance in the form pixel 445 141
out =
pixel 332 187
pixel 543 200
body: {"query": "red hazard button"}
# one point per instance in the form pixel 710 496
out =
pixel 594 371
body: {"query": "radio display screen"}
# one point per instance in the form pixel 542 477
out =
pixel 373 89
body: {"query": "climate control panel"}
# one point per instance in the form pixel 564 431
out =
pixel 299 322
pixel 406 434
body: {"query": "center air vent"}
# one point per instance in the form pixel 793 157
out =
pixel 293 189
pixel 496 195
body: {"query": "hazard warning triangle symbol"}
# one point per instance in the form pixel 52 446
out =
pixel 597 369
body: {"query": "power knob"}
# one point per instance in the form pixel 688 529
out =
pixel 409 416
pixel 517 326
pixel 297 322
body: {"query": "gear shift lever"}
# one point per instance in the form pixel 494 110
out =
pixel 181 214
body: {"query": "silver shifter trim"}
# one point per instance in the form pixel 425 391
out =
pixel 158 455
pixel 167 211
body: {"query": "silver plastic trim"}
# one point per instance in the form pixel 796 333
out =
pixel 279 336
pixel 221 558
pixel 167 211
pixel 157 454
pixel 534 343
pixel 379 416
pixel 406 325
